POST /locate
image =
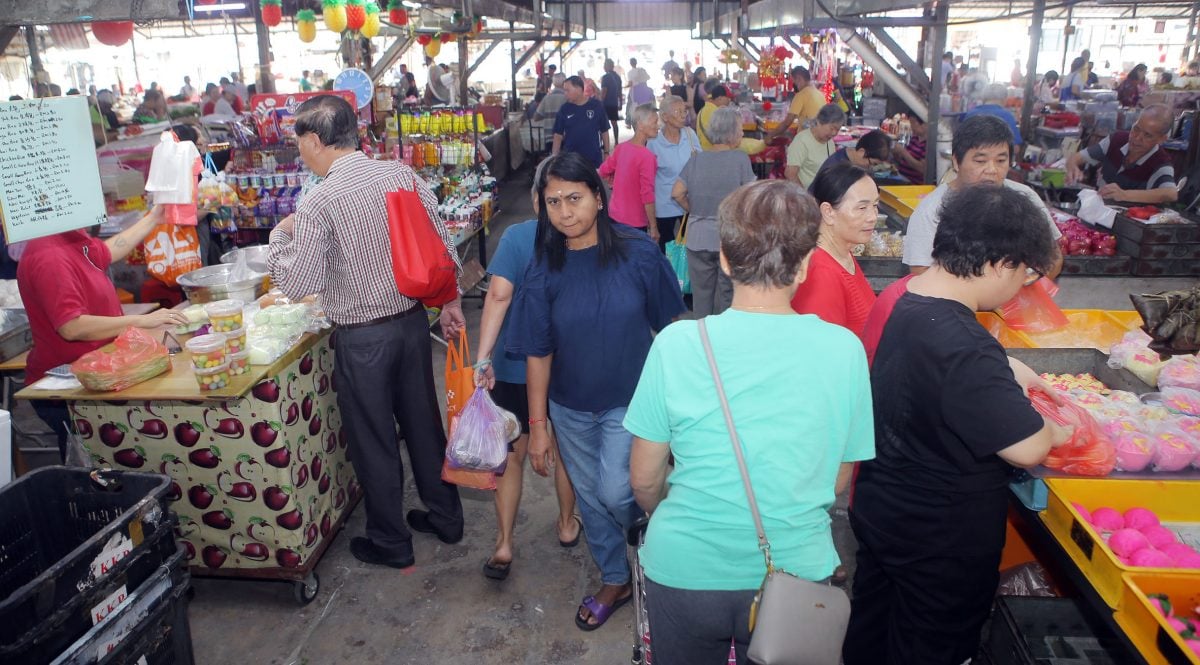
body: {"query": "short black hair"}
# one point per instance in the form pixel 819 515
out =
pixel 802 71
pixel 1077 63
pixel 186 133
pixel 551 243
pixel 575 81
pixel 331 118
pixel 980 131
pixel 875 144
pixel 832 183
pixel 1051 75
pixel 718 91
pixel 989 224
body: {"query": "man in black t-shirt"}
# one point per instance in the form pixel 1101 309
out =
pixel 610 94
pixel 952 418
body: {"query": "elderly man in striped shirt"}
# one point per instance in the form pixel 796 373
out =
pixel 337 245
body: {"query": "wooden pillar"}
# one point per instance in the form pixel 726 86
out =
pixel 1035 43
pixel 513 102
pixel 35 58
pixel 463 71
pixel 939 29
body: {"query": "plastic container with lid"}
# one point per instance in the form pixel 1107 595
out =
pixel 225 315
pixel 235 341
pixel 239 363
pixel 207 351
pixel 213 378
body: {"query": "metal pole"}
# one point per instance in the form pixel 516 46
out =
pixel 1062 69
pixel 236 46
pixel 1191 38
pixel 35 58
pixel 463 71
pixel 1035 43
pixel 266 80
pixel 512 56
pixel 137 75
pixel 941 15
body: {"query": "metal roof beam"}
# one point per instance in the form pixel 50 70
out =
pixel 910 66
pixel 482 56
pixel 390 56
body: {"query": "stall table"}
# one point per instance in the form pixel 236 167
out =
pixel 262 481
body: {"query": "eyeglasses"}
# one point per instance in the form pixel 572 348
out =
pixel 1032 276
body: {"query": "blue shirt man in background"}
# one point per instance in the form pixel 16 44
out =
pixel 581 124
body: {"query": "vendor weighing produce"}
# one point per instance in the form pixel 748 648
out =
pixel 72 304
pixel 1133 166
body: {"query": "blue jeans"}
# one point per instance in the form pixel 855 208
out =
pixel 595 447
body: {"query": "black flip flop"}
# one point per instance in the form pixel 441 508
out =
pixel 574 541
pixel 496 571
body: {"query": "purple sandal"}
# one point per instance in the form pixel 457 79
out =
pixel 600 612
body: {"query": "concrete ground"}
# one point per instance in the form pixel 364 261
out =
pixel 444 610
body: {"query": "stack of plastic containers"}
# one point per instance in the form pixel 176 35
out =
pixel 91 572
pixel 225 322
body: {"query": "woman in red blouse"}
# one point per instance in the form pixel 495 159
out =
pixel 836 289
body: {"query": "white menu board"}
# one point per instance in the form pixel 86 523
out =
pixel 49 176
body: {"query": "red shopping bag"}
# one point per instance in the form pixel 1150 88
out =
pixel 421 263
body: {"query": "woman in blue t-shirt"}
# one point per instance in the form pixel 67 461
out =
pixel 584 317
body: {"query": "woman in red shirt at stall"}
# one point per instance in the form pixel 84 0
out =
pixel 72 304
pixel 835 289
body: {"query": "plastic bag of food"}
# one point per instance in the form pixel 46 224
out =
pixel 1135 446
pixel 479 441
pixel 1182 400
pixel 1134 354
pixel 1175 450
pixel 1089 451
pixel 133 357
pixel 1033 309
pixel 1180 372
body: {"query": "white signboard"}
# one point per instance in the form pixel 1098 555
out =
pixel 49 176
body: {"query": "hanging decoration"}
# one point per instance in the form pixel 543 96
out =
pixel 371 26
pixel 272 12
pixel 772 68
pixel 447 37
pixel 113 33
pixel 477 26
pixel 433 48
pixel 767 106
pixel 397 14
pixel 734 56
pixel 825 66
pixel 306 25
pixel 356 14
pixel 334 13
pixel 424 40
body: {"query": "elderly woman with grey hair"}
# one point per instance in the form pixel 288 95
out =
pixel 811 147
pixel 673 147
pixel 630 169
pixel 705 181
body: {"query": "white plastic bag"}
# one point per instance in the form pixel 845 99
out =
pixel 480 440
pixel 172 175
pixel 1093 210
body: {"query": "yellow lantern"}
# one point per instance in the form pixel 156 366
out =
pixel 371 26
pixel 306 25
pixel 433 48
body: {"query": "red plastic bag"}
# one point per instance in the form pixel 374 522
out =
pixel 421 263
pixel 133 357
pixel 1033 309
pixel 1089 451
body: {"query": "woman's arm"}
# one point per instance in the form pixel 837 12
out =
pixel 679 194
pixel 537 387
pixel 648 472
pixel 124 242
pixel 89 328
pixel 495 306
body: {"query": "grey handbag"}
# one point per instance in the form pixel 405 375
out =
pixel 793 621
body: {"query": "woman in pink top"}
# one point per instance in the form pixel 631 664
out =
pixel 835 289
pixel 630 168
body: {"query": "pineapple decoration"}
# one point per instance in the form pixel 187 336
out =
pixel 371 26
pixel 397 15
pixel 477 26
pixel 433 47
pixel 306 25
pixel 334 13
pixel 356 15
pixel 272 12
pixel 447 37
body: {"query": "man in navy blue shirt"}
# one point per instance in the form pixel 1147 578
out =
pixel 581 124
pixel 610 94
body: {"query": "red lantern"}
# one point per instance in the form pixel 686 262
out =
pixel 113 33
pixel 272 12
pixel 447 37
pixel 397 15
pixel 424 40
pixel 767 106
pixel 782 52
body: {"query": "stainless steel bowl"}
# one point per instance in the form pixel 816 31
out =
pixel 256 257
pixel 213 283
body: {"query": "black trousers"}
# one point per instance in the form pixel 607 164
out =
pixel 55 413
pixel 385 377
pixel 916 605
pixel 666 230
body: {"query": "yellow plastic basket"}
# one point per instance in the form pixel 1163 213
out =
pixel 1158 643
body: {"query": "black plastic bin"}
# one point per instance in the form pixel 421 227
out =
pixel 1032 630
pixel 151 625
pixel 57 527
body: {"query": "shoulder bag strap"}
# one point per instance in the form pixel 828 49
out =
pixel 763 544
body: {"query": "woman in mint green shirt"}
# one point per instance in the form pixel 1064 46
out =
pixel 800 396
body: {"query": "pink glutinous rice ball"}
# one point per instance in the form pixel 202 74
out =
pixel 1124 542
pixel 1107 519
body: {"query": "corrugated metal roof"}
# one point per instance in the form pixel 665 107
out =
pixel 623 16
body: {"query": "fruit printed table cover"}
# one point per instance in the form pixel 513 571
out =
pixel 260 483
